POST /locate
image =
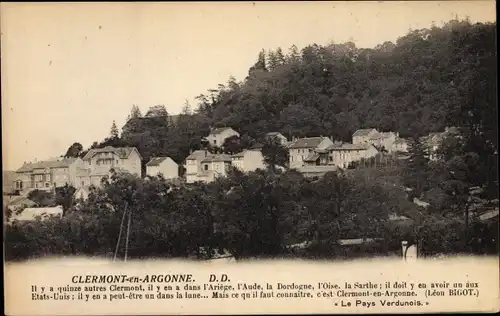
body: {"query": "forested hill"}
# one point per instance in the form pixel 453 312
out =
pixel 427 80
pixel 410 86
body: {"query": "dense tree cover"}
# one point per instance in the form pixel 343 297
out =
pixel 251 215
pixel 427 80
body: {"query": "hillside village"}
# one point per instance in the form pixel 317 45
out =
pixel 330 151
pixel 311 156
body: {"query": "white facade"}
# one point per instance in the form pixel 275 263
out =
pixel 376 138
pixel 47 175
pixel 214 166
pixel 31 213
pixel 99 162
pixel 165 166
pixel 343 155
pixel 219 135
pixel 248 160
pixel 300 148
pixel 193 165
pixel 364 136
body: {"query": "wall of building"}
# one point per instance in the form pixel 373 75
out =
pixel 219 138
pixel 168 168
pixel 132 164
pixel 253 160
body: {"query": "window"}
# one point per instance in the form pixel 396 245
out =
pixel 116 161
pixel 205 167
pixel 83 183
pixel 215 141
pixel 330 158
pixel 47 184
pixel 19 185
pixel 39 177
pixel 47 177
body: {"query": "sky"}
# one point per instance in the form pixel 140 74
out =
pixel 69 70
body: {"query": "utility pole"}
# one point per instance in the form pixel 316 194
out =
pixel 127 212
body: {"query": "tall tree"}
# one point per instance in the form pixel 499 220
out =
pixel 135 112
pixel 416 170
pixel 114 134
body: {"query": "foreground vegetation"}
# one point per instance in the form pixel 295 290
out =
pixel 249 215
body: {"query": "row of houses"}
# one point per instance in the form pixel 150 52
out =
pixel 310 155
pixel 98 163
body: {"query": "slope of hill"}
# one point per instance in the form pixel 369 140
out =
pixel 427 80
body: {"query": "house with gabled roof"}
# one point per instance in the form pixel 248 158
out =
pixel 165 166
pixel 381 140
pixel 248 160
pixel 99 162
pixel 213 166
pixel 47 175
pixel 342 155
pixel 218 135
pixel 193 165
pixel 364 135
pixel 301 148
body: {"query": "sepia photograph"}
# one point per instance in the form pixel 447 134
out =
pixel 238 133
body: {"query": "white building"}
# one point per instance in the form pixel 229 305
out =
pixel 301 148
pixel 345 153
pixel 248 160
pixel 165 166
pixel 217 136
pixel 99 162
pixel 32 213
pixel 384 140
pixel 214 166
pixel 193 165
pixel 362 136
pixel 47 175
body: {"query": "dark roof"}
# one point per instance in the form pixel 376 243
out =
pixel 157 161
pixel 197 154
pixel 219 130
pixel 308 142
pixel 122 152
pixel 217 158
pixel 363 132
pixel 62 163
